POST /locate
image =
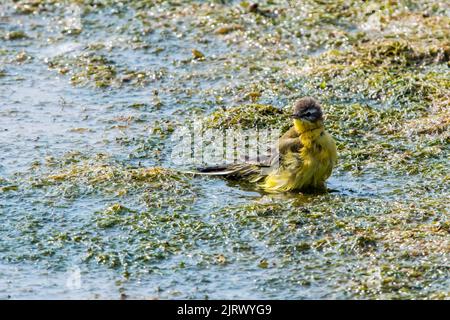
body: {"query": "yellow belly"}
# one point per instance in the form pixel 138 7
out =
pixel 308 169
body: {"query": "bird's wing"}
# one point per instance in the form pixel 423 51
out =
pixel 239 170
pixel 289 142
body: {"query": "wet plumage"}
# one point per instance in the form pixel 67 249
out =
pixel 306 154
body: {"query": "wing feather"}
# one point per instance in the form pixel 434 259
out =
pixel 255 169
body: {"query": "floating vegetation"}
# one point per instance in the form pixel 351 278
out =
pixel 198 55
pixel 15 35
pixel 228 28
pixel 384 71
pixel 163 195
pixel 110 178
pixel 248 117
pixel 90 182
pixel 86 68
pixel 98 70
pixel 301 229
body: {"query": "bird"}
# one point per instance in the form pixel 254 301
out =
pixel 303 159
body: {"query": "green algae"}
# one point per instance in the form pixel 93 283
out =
pixel 248 117
pixel 15 35
pixel 91 68
pixel 97 70
pixel 104 177
pixel 163 197
pixel 380 70
pixel 293 228
pixel 8 188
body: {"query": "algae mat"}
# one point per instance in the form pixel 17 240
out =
pixel 91 92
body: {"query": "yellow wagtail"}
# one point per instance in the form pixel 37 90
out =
pixel 306 154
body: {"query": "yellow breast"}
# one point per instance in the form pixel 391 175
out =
pixel 307 169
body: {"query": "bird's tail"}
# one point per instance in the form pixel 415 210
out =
pixel 234 171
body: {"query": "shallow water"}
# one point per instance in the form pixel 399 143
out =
pixel 223 240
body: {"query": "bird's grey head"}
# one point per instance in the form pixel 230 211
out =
pixel 307 108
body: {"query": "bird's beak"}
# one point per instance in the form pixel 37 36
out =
pixel 296 116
